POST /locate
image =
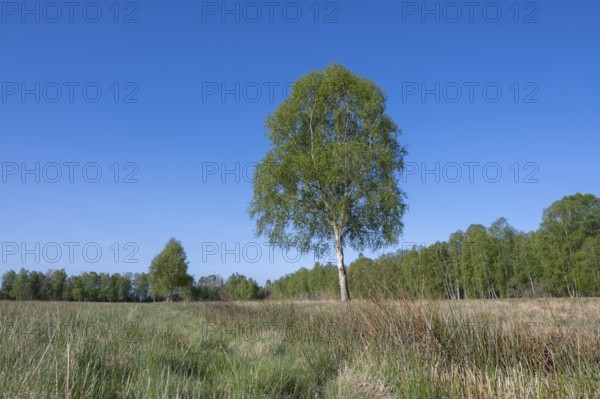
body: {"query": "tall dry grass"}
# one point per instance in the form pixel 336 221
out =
pixel 302 349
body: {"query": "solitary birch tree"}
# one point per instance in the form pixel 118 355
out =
pixel 168 271
pixel 331 175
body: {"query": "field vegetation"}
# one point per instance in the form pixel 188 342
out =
pixel 544 348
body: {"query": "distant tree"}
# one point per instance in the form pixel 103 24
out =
pixel 91 286
pixel 478 263
pixel 121 287
pixel 566 226
pixel 21 289
pixel 361 281
pixel 209 287
pixel 331 175
pixel 38 286
pixel 503 237
pixel 58 285
pixel 435 270
pixel 300 287
pixel 187 290
pixel 268 289
pixel 141 287
pixel 240 288
pixel 454 250
pixel 527 265
pixel 105 289
pixel 168 271
pixel 587 267
pixel 9 279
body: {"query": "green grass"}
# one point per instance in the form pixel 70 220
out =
pixel 364 349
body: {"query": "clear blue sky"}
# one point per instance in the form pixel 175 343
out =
pixel 188 107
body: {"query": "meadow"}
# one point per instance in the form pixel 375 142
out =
pixel 535 348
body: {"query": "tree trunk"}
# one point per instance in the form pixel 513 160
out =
pixel 339 250
pixel 531 283
pixel 169 295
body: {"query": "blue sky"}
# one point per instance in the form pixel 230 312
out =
pixel 504 87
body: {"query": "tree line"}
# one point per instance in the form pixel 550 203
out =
pixel 56 285
pixel 561 258
pixel 167 279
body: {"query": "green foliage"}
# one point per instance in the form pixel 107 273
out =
pixel 56 285
pixel 209 288
pixel 331 174
pixel 319 282
pixel 168 271
pixel 562 258
pixel 567 225
pixel 141 287
pixel 8 282
pixel 239 288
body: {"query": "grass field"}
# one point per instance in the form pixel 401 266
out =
pixel 364 349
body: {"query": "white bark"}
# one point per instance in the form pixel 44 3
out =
pixel 339 250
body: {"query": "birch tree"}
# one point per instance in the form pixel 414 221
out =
pixel 331 175
pixel 168 271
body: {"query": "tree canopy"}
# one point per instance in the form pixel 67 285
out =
pixel 331 174
pixel 168 271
